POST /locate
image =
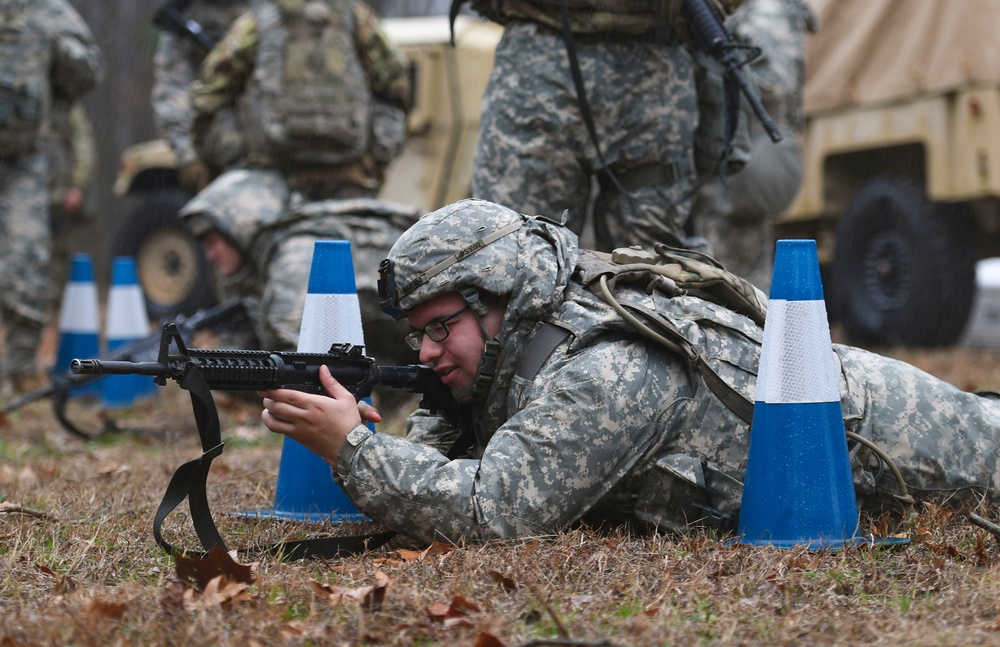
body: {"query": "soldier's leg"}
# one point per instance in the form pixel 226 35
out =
pixel 528 157
pixel 25 283
pixel 646 113
pixel 944 441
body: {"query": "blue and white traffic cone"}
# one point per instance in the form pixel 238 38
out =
pixel 79 322
pixel 126 322
pixel 798 489
pixel 332 314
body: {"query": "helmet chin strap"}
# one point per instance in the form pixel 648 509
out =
pixel 491 349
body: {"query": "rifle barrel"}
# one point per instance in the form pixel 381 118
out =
pixel 110 367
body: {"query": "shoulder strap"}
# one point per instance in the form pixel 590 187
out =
pixel 539 347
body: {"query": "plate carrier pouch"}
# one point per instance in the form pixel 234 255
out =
pixel 24 74
pixel 308 100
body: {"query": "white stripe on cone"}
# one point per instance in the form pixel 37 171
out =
pixel 798 367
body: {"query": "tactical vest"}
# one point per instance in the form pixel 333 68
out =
pixel 308 100
pixel 25 60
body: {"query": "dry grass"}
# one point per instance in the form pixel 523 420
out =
pixel 78 564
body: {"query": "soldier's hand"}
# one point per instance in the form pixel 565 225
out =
pixel 194 176
pixel 73 201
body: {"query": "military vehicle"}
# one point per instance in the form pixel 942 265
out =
pixel 434 169
pixel 902 163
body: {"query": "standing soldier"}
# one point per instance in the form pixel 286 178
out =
pixel 46 50
pixel 536 153
pixel 320 94
pixel 737 217
pixel 71 171
pixel 180 49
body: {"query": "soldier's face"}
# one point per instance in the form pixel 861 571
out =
pixel 456 357
pixel 226 258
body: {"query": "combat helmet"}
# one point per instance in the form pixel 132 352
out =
pixel 474 247
pixel 448 251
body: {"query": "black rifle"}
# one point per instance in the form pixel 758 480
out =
pixel 62 384
pixel 199 371
pixel 708 30
pixel 170 17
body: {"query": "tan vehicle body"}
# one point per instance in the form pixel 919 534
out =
pixel 902 162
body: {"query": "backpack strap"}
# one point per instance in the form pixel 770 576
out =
pixel 539 347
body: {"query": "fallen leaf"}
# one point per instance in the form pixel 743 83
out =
pixel 219 591
pixel 102 609
pixel 484 639
pixel 506 583
pixel 455 613
pixel 370 598
pixel 200 571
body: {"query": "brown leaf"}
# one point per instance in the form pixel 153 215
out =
pixel 63 584
pixel 220 591
pixel 370 598
pixel 484 639
pixel 506 583
pixel 109 610
pixel 454 613
pixel 199 572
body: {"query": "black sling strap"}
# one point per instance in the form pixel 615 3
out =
pixel 190 482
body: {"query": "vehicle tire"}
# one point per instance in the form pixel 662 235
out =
pixel 904 270
pixel 172 269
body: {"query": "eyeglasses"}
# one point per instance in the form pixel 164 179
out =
pixel 437 330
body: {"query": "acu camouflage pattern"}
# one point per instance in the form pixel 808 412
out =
pixel 276 233
pixel 230 73
pixel 737 217
pixel 71 65
pixel 175 67
pixel 535 155
pixel 615 428
pixel 604 17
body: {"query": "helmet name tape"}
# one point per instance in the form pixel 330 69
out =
pixel 463 253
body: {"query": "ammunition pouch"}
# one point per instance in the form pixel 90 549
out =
pixel 20 117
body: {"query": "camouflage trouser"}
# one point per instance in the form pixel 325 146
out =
pixel 536 157
pixel 24 241
pixel 737 218
pixel 945 442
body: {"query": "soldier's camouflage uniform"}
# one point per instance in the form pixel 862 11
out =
pixel 176 64
pixel 534 153
pixel 62 49
pixel 738 218
pixel 614 427
pixel 225 76
pixel 256 213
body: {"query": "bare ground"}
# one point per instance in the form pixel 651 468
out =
pixel 78 564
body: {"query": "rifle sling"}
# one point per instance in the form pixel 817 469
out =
pixel 191 479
